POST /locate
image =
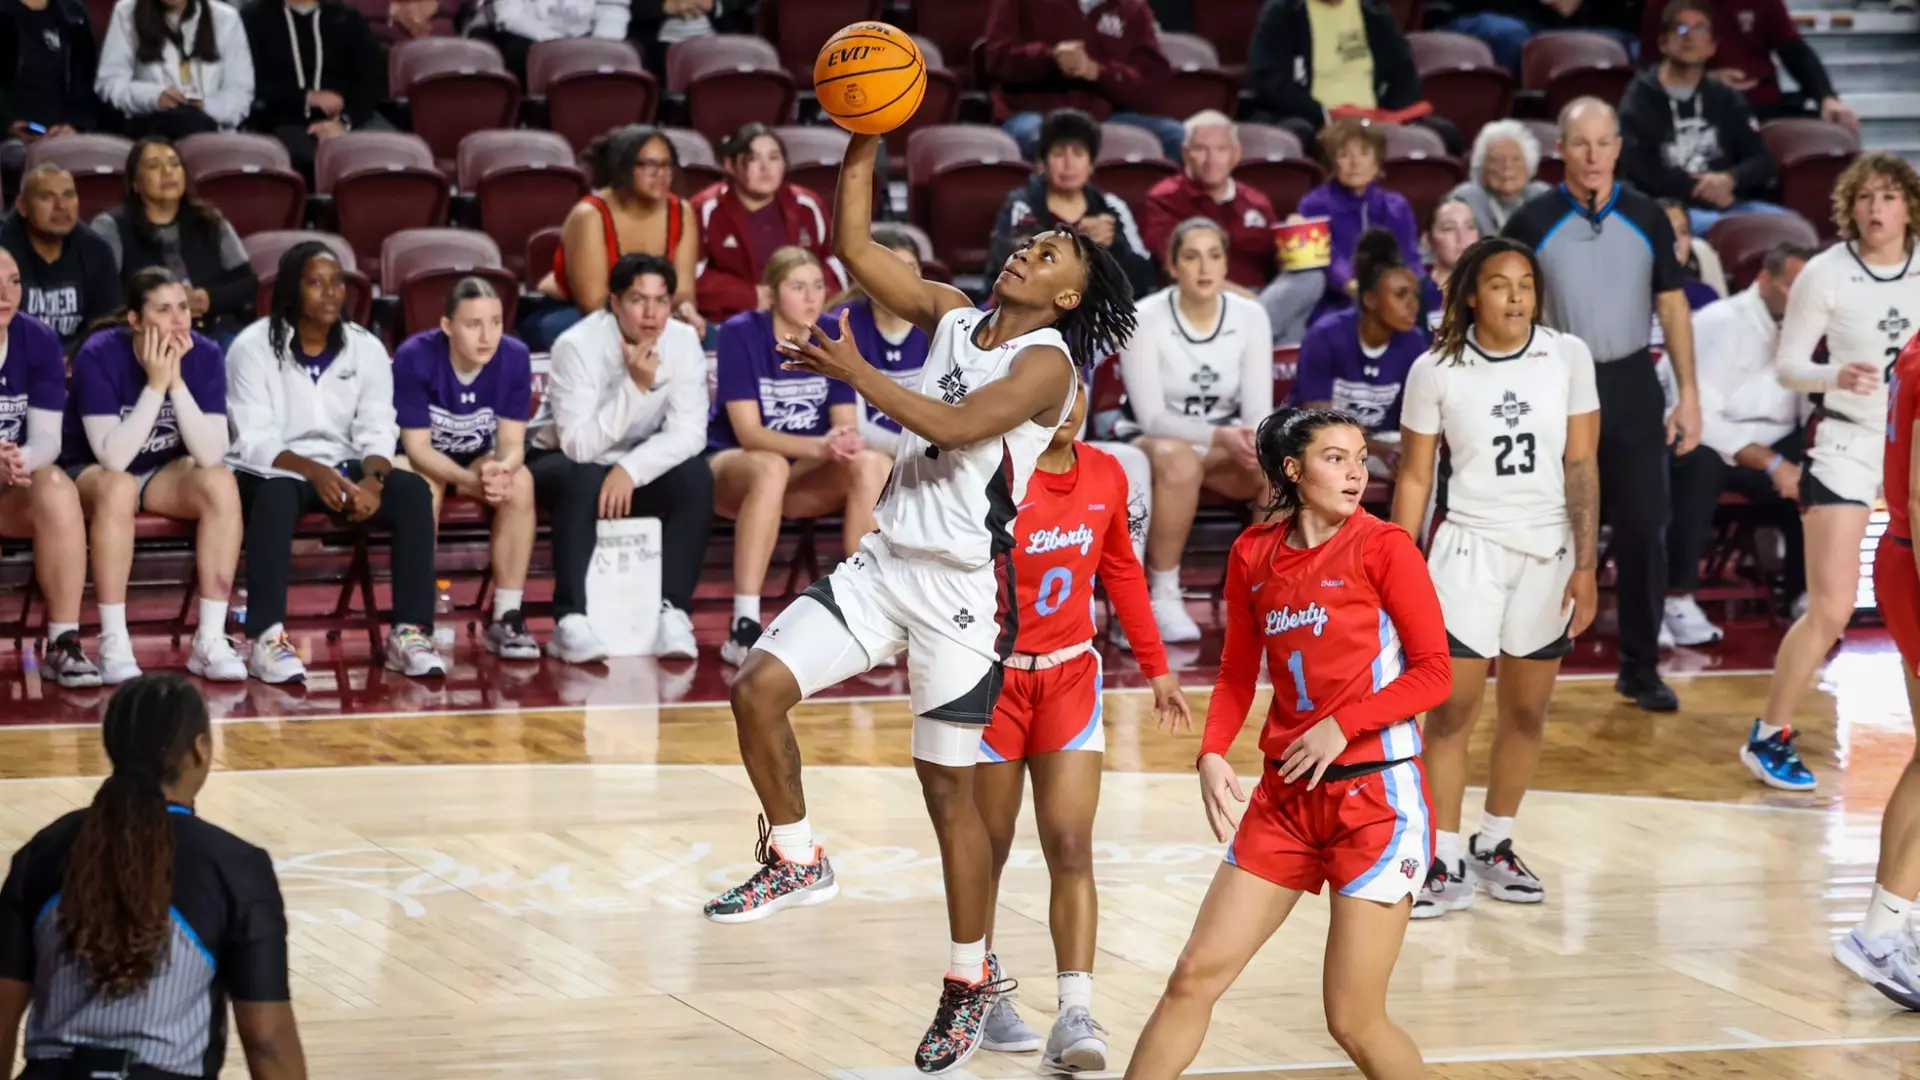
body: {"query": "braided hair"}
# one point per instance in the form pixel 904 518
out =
pixel 1104 319
pixel 1450 341
pixel 118 885
pixel 283 312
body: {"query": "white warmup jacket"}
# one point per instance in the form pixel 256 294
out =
pixel 274 405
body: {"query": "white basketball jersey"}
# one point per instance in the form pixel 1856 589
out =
pixel 1504 422
pixel 957 506
pixel 1866 313
pixel 1201 373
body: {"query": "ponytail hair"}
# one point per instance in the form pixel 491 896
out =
pixel 118 887
pixel 1286 434
pixel 1377 253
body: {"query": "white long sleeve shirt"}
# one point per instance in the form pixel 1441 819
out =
pixel 274 404
pixel 1184 381
pixel 551 20
pixel 1741 400
pixel 592 410
pixel 1865 313
pixel 225 85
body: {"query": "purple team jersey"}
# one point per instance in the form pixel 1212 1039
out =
pixel 1333 368
pixel 792 402
pixel 463 417
pixel 108 379
pixel 901 362
pixel 33 375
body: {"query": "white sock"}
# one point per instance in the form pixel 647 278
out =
pixel 1886 914
pixel 113 619
pixel 1164 582
pixel 505 600
pixel 213 620
pixel 967 961
pixel 746 607
pixel 1767 731
pixel 1076 988
pixel 1492 831
pixel 1446 847
pixel 795 841
pixel 55 630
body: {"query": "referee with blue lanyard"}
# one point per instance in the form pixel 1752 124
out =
pixel 127 928
pixel 1607 253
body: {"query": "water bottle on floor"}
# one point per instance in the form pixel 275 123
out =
pixel 443 614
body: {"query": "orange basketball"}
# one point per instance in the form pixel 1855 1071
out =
pixel 870 78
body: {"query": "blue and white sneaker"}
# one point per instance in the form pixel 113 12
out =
pixel 1887 962
pixel 1775 761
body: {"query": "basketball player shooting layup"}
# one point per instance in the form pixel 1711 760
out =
pixel 937 578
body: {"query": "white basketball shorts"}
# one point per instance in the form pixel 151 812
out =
pixel 1844 460
pixel 1499 600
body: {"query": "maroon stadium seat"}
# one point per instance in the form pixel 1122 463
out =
pixel 931 267
pixel 966 170
pixel 813 161
pixel 381 182
pixel 591 86
pixel 940 105
pixel 1198 83
pixel 953 28
pixel 1418 167
pixel 1229 25
pixel 1812 154
pixel 1131 161
pixel 248 177
pixel 1742 241
pixel 730 80
pixel 452 86
pixel 1566 64
pixel 1407 13
pixel 265 248
pixel 1547 134
pixel 1460 79
pixel 699 167
pixel 524 181
pixel 98 164
pixel 541 247
pixel 798 28
pixel 422 265
pixel 1273 162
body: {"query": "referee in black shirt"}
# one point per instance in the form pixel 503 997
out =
pixel 1606 251
pixel 129 925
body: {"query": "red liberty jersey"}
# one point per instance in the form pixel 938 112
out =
pixel 1903 407
pixel 1072 528
pixel 1352 629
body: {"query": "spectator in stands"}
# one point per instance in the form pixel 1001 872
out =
pixel 68 272
pixel 1453 231
pixel 147 431
pixel 128 926
pixel 784 444
pixel 658 25
pixel 516 25
pixel 1751 441
pixel 37 500
pixel 161 222
pixel 462 394
pixel 1199 378
pixel 1207 189
pixel 1312 62
pixel 1500 175
pixel 1102 58
pixel 1060 195
pixel 888 341
pixel 1688 250
pixel 394 21
pixel 745 218
pixel 318 70
pixel 310 401
pixel 1751 35
pixel 1352 202
pixel 50 81
pixel 1357 360
pixel 1507 25
pixel 632 210
pixel 176 67
pixel 1690 137
pixel 619 435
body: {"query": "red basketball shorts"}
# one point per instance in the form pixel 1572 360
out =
pixel 1370 836
pixel 1896 589
pixel 1047 711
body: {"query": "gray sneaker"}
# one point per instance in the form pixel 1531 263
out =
pixel 1078 1043
pixel 1885 962
pixel 1503 875
pixel 1007 1033
pixel 1447 889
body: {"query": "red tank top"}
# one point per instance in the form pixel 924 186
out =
pixel 674 226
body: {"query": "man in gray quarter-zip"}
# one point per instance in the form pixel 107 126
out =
pixel 1607 253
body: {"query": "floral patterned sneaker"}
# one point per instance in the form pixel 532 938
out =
pixel 779 883
pixel 960 1024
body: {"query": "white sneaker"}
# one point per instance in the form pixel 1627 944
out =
pixel 1077 1043
pixel 1170 614
pixel 676 635
pixel 1688 624
pixel 66 660
pixel 1887 962
pixel 507 638
pixel 116 659
pixel 213 659
pixel 411 652
pixel 1448 889
pixel 1666 635
pixel 574 642
pixel 271 658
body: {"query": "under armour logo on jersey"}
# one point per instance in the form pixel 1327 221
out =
pixel 893 356
pixel 314 372
pixel 1894 326
pixel 1510 409
pixel 1745 19
pixel 953 386
pixel 730 242
pixel 964 619
pixel 1285 619
pixel 468 398
pixel 1254 219
pixel 1371 371
pixel 1112 25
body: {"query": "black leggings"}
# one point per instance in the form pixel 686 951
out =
pixel 1699 479
pixel 681 497
pixel 1635 467
pixel 273 507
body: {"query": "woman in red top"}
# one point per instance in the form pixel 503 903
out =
pixel 1351 627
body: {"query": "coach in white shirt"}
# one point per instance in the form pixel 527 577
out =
pixel 1751 440
pixel 620 434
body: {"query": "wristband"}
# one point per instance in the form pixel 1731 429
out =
pixel 1774 464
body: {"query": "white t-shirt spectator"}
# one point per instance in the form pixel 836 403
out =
pixel 224 86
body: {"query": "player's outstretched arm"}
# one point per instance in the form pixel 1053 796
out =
pixel 892 283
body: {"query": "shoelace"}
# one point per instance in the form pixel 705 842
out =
pixel 956 995
pixel 515 623
pixel 1504 854
pixel 1087 1025
pixel 68 646
pixel 1784 740
pixel 282 648
pixel 413 639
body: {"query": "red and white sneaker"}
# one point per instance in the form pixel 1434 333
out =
pixel 779 883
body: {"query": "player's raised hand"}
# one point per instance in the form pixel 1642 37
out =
pixel 1580 601
pixel 1311 753
pixel 819 353
pixel 1170 711
pixel 1219 790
